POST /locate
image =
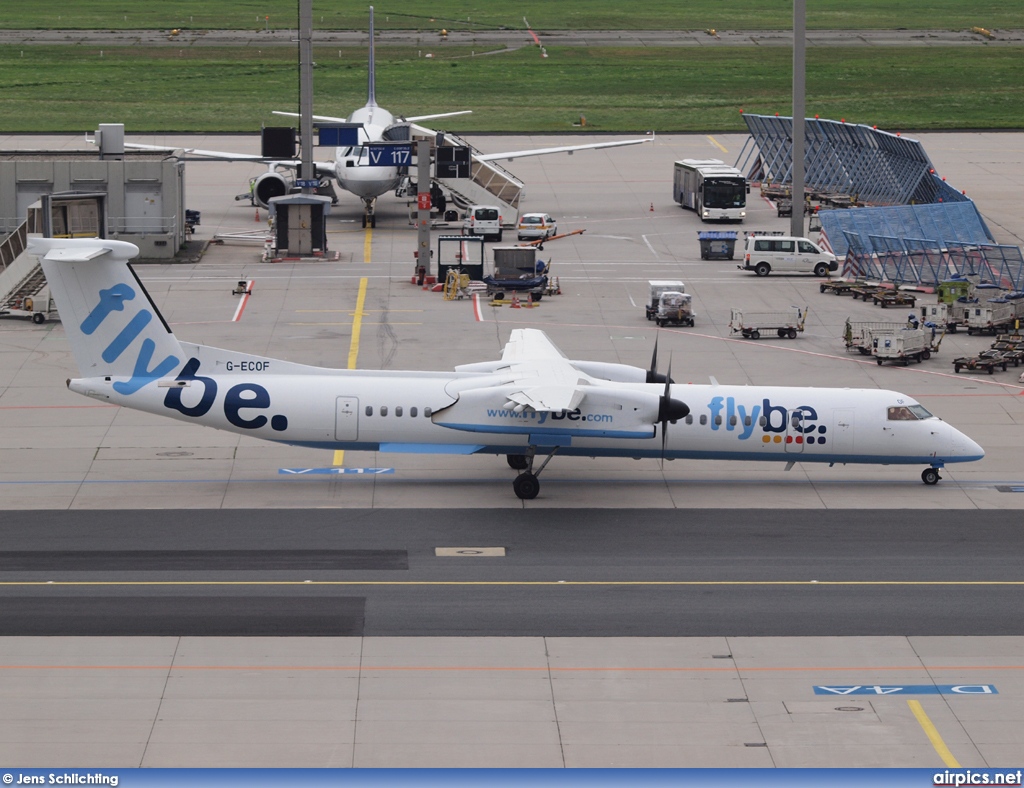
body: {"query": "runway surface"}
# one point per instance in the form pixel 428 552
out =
pixel 630 573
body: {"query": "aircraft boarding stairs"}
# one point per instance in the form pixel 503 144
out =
pixel 22 283
pixel 488 184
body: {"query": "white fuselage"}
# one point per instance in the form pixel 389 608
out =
pixel 433 412
pixel 352 164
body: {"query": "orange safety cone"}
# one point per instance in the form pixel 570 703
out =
pixel 652 206
pixel 257 214
pixel 515 302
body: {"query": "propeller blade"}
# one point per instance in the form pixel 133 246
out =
pixel 653 376
pixel 666 400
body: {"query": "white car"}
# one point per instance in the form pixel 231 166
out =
pixel 536 225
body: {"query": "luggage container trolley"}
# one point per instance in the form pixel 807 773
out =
pixel 675 309
pixel 659 286
pixel 786 324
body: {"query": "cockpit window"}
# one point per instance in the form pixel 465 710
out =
pixel 908 413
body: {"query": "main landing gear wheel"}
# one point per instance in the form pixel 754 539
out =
pixel 930 476
pixel 526 486
pixel 517 462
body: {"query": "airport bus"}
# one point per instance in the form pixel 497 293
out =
pixel 716 191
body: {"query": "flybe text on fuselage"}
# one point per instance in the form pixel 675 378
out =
pixel 771 421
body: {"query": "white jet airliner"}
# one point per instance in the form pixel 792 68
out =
pixel 533 401
pixel 351 167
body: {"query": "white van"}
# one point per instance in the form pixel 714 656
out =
pixel 483 220
pixel 786 255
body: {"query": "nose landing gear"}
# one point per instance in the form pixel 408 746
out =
pixel 930 476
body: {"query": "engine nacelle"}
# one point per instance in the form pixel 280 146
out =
pixel 269 185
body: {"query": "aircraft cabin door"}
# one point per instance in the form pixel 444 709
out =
pixel 842 431
pixel 346 419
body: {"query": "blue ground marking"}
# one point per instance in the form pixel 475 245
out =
pixel 340 471
pixel 908 689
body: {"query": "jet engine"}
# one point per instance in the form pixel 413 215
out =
pixel 268 185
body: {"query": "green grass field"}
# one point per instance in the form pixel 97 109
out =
pixel 65 89
pixel 542 14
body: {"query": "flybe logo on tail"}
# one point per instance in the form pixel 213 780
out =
pixel 113 300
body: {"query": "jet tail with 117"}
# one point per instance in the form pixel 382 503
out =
pixel 532 402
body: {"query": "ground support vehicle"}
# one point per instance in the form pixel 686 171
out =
pixel 951 316
pixel 865 291
pixel 884 298
pixel 1011 346
pixel 994 316
pixel 784 323
pixel 840 286
pixel 786 255
pixel 659 286
pixel 858 335
pixel 536 226
pixel 485 220
pixel 901 347
pixel 517 270
pixel 675 309
pixel 980 362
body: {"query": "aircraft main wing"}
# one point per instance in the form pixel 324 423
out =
pixel 520 154
pixel 530 344
pixel 548 381
pixel 322 167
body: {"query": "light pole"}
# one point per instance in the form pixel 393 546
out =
pixel 796 222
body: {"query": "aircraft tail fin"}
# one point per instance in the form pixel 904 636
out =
pixel 371 98
pixel 112 324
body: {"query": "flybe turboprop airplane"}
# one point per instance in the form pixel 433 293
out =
pixel 533 402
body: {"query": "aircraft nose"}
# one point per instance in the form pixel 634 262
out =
pixel 964 446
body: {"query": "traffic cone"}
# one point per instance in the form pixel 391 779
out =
pixel 652 206
pixel 515 302
pixel 257 214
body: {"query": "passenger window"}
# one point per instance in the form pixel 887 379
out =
pixel 733 421
pixel 808 248
pixel 398 410
pixel 369 410
pixel 412 413
pixel 795 421
pixel 747 421
pixel 383 410
pixel 703 420
pixel 426 413
pixel 718 421
pixel 762 246
pixel 689 418
pixel 785 246
pixel 762 421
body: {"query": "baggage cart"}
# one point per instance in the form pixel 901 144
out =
pixel 901 347
pixel 786 324
pixel 884 298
